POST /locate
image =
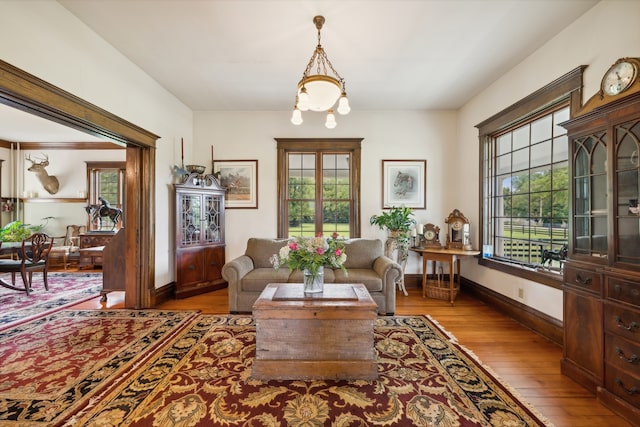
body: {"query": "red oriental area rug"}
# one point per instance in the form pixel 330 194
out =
pixel 202 377
pixel 61 363
pixel 65 289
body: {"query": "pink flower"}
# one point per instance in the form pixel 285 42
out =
pixel 320 251
pixel 319 234
pixel 293 246
pixel 338 252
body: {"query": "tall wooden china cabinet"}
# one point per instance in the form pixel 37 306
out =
pixel 602 273
pixel 200 244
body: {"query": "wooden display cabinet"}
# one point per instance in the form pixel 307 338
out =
pixel 602 273
pixel 199 233
pixel 90 257
pixel 95 238
pixel 114 258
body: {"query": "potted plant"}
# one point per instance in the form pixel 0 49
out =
pixel 16 231
pixel 397 220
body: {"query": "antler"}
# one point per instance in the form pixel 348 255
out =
pixel 43 162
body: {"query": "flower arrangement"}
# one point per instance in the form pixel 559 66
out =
pixel 311 253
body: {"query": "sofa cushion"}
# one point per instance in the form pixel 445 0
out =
pixel 361 253
pixel 258 278
pixel 367 277
pixel 260 250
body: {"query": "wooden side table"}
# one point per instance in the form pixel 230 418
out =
pixel 451 256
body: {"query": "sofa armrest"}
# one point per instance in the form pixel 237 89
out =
pixel 389 271
pixel 233 271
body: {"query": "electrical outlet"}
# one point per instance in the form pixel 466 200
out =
pixel 520 293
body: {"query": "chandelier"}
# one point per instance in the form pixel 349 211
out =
pixel 320 91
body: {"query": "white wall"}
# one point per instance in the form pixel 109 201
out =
pixel 44 39
pixel 70 167
pixel 448 140
pixel 387 135
pixel 596 40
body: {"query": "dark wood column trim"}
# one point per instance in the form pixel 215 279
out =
pixel 29 93
pixel 538 100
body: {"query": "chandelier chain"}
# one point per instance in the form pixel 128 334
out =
pixel 322 62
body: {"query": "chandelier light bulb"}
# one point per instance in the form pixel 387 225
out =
pixel 303 99
pixel 331 120
pixel 343 105
pixel 296 117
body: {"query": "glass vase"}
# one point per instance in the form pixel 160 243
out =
pixel 313 283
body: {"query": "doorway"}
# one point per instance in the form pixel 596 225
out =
pixel 26 92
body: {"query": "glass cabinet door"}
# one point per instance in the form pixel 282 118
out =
pixel 190 219
pixel 212 218
pixel 627 136
pixel 590 195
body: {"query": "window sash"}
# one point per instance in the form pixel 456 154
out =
pixel 106 180
pixel 494 141
pixel 529 205
pixel 318 187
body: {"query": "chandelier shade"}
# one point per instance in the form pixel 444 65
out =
pixel 322 91
pixel 319 91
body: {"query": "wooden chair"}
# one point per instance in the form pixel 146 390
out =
pixel 69 243
pixel 33 256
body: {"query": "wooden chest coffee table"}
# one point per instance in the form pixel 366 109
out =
pixel 318 336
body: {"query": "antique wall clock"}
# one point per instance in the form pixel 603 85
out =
pixel 431 236
pixel 458 236
pixel 620 76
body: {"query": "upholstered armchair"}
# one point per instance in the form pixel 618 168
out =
pixel 66 245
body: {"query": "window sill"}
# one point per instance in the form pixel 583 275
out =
pixel 536 275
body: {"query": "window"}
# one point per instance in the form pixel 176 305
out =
pixel 525 189
pixel 319 187
pixel 530 207
pixel 106 181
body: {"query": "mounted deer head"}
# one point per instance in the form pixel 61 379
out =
pixel 49 182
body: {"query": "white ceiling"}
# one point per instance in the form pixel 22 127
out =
pixel 19 126
pixel 248 55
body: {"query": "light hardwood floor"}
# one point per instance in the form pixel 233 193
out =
pixel 522 358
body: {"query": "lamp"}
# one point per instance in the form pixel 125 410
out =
pixel 320 91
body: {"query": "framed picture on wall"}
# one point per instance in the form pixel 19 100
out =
pixel 404 183
pixel 240 177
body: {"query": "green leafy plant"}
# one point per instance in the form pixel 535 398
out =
pixel 399 219
pixel 16 231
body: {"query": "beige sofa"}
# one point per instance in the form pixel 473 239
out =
pixel 248 274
